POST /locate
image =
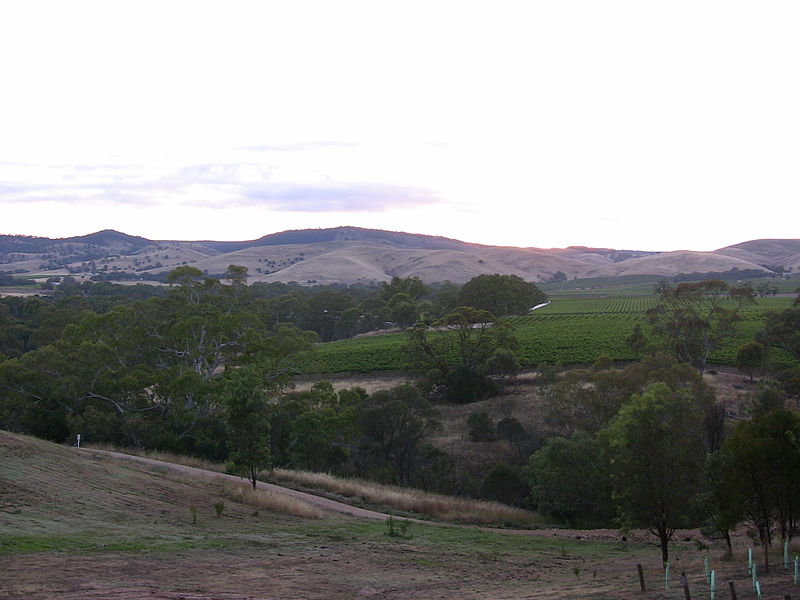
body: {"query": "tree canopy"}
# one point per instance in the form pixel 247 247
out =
pixel 501 295
pixel 656 459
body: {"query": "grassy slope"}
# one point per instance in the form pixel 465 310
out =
pixel 59 504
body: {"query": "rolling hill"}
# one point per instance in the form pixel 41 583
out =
pixel 356 255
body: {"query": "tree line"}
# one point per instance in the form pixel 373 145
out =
pixel 203 368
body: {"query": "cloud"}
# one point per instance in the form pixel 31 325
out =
pixel 206 185
pixel 300 147
pixel 337 197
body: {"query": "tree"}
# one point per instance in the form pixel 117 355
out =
pixel 760 473
pixel 247 415
pixel 403 309
pixel 569 480
pixel 692 319
pixel 237 275
pixel 503 362
pixel 451 356
pixel 503 483
pixel 411 286
pixel 481 427
pixel 657 454
pixel 512 431
pixel 394 424
pixel 501 295
pixel 750 357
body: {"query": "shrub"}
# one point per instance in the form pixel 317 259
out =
pixel 481 427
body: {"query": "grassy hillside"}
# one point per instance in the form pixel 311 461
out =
pixel 75 524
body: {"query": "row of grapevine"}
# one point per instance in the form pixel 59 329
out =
pixel 571 330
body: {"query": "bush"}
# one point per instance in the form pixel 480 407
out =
pixel 504 484
pixel 481 427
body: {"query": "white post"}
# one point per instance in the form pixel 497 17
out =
pixel 79 440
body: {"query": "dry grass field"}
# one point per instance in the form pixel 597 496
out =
pixel 77 524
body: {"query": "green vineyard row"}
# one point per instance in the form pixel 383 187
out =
pixel 568 331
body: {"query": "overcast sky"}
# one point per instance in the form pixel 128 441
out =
pixel 640 124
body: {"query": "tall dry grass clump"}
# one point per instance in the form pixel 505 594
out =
pixel 439 506
pixel 243 493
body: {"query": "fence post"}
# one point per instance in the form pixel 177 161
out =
pixel 732 585
pixel 685 585
pixel 641 577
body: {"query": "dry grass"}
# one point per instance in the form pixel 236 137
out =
pixel 243 493
pixel 178 459
pixel 439 506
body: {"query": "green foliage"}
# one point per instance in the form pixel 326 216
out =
pixel 501 295
pixel 397 527
pixel 751 357
pixel 481 427
pixel 512 432
pixel 219 508
pixel 451 358
pixel 782 329
pixel 656 450
pixel 587 399
pixel 412 287
pixel 247 417
pixel 568 331
pixel 504 484
pixel 759 475
pixel 503 362
pixel 769 396
pixel 394 425
pixel 569 481
pixel 693 319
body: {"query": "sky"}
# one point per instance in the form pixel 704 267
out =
pixel 647 125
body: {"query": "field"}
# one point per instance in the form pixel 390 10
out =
pixel 79 525
pixel 642 285
pixel 568 330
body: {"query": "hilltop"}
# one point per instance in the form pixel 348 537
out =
pixel 369 256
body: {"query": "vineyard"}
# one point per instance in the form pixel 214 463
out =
pixel 568 330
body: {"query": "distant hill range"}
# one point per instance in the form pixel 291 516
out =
pixel 356 255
